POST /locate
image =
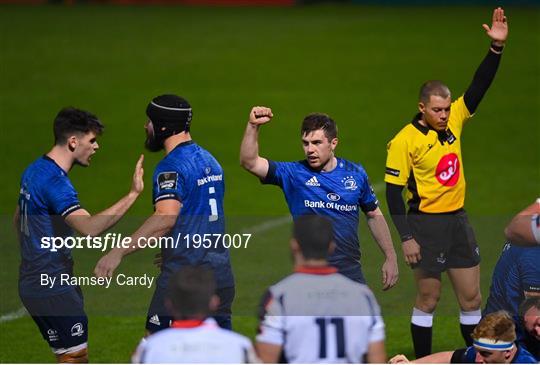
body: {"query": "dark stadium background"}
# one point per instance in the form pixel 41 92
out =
pixel 362 64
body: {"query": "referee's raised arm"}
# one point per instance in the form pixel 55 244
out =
pixel 498 32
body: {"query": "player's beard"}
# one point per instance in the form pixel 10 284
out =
pixel 152 144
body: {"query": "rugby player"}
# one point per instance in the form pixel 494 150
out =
pixel 317 315
pixel 49 207
pixel 493 343
pixel 326 185
pixel 426 157
pixel 517 273
pixel 194 337
pixel 190 181
pixel 528 331
pixel 524 229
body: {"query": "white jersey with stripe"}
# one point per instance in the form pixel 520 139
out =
pixel 195 342
pixel 320 316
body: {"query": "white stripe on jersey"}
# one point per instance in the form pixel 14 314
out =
pixel 207 343
pixel 321 319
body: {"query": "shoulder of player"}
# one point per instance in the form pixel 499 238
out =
pixel 351 167
pixel 166 166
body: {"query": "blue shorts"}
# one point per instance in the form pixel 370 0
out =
pixel 61 319
pixel 159 318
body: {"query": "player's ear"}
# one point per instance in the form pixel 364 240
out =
pixel 214 303
pixel 421 107
pixel 334 143
pixel 295 247
pixel 331 247
pixel 72 142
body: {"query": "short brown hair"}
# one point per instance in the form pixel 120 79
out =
pixel 497 326
pixel 190 290
pixel 433 87
pixel 71 121
pixel 316 121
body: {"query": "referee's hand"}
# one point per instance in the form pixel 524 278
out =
pixel 411 251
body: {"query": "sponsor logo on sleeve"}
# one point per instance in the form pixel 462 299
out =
pixel 167 180
pixel 392 172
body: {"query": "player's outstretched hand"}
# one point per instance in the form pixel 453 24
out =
pixel 107 264
pixel 390 273
pixel 411 251
pixel 399 359
pixel 137 184
pixel 499 27
pixel 260 115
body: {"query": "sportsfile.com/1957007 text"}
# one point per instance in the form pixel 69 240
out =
pixel 117 240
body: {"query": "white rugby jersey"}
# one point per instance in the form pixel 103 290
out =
pixel 320 316
pixel 192 341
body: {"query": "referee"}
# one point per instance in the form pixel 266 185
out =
pixel 426 157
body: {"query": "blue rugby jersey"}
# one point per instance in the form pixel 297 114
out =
pixel 191 175
pixel 339 194
pixel 516 271
pixel 46 198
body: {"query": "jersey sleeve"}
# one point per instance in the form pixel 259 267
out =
pixel 530 271
pixel 278 172
pixel 250 354
pixel 398 161
pixel 61 196
pixel 459 114
pixel 138 355
pixel 271 322
pixel 168 183
pixel 368 200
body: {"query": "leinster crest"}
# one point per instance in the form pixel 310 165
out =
pixel 349 183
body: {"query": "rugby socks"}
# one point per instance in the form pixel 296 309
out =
pixel 421 330
pixel 467 323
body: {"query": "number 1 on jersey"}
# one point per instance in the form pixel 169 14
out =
pixel 213 206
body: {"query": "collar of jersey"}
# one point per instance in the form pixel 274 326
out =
pixel 183 144
pixel 316 270
pixel 442 136
pixel 187 323
pixel 47 158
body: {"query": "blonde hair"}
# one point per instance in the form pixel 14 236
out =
pixel 496 326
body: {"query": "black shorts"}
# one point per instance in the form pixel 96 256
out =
pixel 159 318
pixel 446 241
pixel 61 319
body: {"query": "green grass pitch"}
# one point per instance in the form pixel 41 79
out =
pixel 361 65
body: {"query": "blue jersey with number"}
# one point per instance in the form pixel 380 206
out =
pixel 46 198
pixel 516 272
pixel 339 194
pixel 522 356
pixel 191 175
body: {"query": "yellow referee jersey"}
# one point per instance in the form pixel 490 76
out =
pixel 430 163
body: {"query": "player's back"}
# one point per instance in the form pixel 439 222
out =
pixel 320 316
pixel 195 342
pixel 190 174
pixel 46 196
